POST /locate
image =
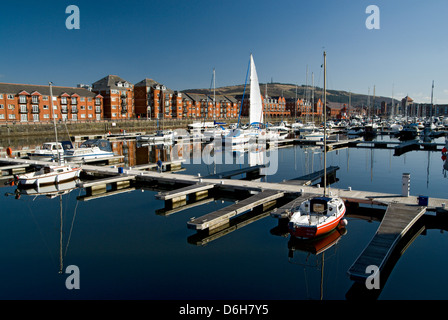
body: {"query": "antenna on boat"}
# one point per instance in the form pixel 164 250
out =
pixel 325 123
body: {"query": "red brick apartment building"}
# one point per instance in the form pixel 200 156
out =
pixel 31 103
pixel 156 101
pixel 273 107
pixel 118 97
pixel 302 108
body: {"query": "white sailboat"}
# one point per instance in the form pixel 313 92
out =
pixel 317 215
pixel 51 173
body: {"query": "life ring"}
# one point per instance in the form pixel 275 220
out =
pixel 9 151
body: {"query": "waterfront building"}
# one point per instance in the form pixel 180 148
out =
pixel 118 96
pixel 303 108
pixel 211 107
pixel 31 103
pixel 337 110
pixel 155 101
pixel 273 107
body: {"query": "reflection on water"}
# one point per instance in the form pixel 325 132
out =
pixel 131 246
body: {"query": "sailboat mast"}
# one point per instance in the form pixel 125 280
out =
pixel 312 96
pixel 214 100
pixel 325 123
pixel 54 121
pixel 432 104
pixel 373 104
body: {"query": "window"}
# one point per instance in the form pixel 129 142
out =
pixel 11 116
pixel 64 100
pixel 35 108
pixel 46 116
pixel 10 96
pixel 97 101
pixel 35 99
pixel 11 106
pixel 89 108
pixel 22 99
pixel 90 115
pixel 2 106
pixel 2 116
pixel 83 116
pixel 45 107
pixel 82 99
pixel 1 96
pixel 36 117
pixel 45 98
pixel 23 108
pixel 74 101
pixel 74 117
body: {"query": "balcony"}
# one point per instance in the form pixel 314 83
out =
pixel 74 110
pixel 23 109
pixel 64 109
pixel 97 110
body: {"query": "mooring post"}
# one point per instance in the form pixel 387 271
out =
pixel 405 184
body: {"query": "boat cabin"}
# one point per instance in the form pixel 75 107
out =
pixel 317 205
pixel 103 144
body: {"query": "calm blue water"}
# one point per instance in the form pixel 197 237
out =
pixel 124 250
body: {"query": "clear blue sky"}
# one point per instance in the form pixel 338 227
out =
pixel 178 43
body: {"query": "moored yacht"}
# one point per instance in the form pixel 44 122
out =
pixel 90 149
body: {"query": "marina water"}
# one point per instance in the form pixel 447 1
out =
pixel 125 248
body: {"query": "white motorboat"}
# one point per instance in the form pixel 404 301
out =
pixel 90 149
pixel 314 136
pixel 215 133
pixel 235 137
pixel 49 151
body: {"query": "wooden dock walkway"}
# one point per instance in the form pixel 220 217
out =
pixel 307 179
pixel 396 222
pixel 181 194
pixel 222 216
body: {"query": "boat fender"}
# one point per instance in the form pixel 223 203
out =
pixel 344 222
pixel 9 151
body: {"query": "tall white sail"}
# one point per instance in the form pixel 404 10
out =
pixel 256 107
